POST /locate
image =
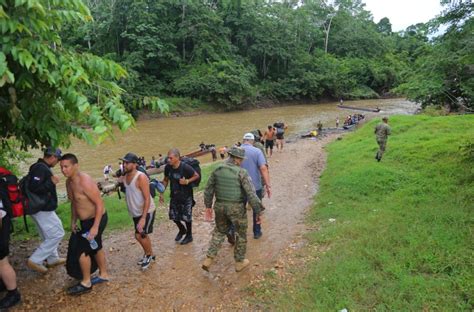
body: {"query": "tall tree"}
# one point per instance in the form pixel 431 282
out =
pixel 48 92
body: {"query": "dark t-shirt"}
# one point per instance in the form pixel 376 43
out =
pixel 179 191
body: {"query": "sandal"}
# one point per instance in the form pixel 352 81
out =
pixel 97 280
pixel 78 289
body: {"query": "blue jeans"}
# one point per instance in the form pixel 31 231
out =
pixel 257 228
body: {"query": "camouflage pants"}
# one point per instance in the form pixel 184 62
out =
pixel 226 215
pixel 382 143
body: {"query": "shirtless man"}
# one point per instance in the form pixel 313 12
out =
pixel 269 136
pixel 88 207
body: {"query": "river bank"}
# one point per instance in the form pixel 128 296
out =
pixel 185 107
pixel 166 285
pixel 394 235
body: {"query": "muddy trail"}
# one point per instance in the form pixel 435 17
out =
pixel 176 281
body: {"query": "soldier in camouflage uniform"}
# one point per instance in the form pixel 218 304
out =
pixel 382 131
pixel 230 184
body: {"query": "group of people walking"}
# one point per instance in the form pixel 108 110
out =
pixel 242 178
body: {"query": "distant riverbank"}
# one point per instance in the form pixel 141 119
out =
pixel 182 107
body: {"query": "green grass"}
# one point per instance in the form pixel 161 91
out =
pixel 402 239
pixel 116 209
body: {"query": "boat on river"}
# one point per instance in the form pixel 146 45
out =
pixel 194 154
pixel 349 127
pixel 198 153
pixel 373 110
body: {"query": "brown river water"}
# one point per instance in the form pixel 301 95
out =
pixel 154 136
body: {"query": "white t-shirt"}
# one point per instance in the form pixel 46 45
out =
pixel 135 199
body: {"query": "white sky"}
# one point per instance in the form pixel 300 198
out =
pixel 403 13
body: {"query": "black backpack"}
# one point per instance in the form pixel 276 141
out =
pixel 193 162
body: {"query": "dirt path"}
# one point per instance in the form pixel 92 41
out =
pixel 176 281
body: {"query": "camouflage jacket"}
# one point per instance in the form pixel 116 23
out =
pixel 246 187
pixel 382 131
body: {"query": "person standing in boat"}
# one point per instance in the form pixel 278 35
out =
pixel 320 126
pixel 382 131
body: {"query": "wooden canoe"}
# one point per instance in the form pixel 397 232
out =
pixel 197 153
pixel 373 110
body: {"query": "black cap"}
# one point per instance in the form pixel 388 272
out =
pixel 51 151
pixel 130 157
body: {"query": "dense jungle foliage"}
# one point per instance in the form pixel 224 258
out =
pixel 79 67
pixel 233 53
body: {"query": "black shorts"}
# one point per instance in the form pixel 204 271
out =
pixel 181 209
pixel 279 136
pixel 269 144
pixel 5 237
pixel 86 225
pixel 150 219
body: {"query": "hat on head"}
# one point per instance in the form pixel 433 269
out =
pixel 249 136
pixel 385 118
pixel 237 152
pixel 51 151
pixel 130 157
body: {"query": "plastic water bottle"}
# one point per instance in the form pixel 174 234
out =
pixel 92 242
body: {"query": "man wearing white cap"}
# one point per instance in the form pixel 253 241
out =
pixel 256 166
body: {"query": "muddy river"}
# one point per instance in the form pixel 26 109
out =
pixel 154 136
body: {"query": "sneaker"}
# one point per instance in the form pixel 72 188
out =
pixel 58 261
pixel 10 300
pixel 36 267
pixel 258 235
pixel 140 262
pixel 207 264
pixel 186 240
pixel 240 265
pixel 147 261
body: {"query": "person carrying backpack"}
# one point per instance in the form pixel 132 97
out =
pixel 42 182
pixel 7 273
pixel 280 128
pixel 181 176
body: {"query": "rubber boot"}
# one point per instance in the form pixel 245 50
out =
pixel 182 231
pixel 207 264
pixel 189 234
pixel 240 265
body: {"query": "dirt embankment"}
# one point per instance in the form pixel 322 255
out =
pixel 176 281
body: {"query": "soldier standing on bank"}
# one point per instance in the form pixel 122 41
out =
pixel 382 131
pixel 230 184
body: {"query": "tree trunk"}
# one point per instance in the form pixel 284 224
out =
pixel 327 35
pixel 184 37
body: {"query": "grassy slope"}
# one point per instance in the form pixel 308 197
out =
pixel 402 239
pixel 116 209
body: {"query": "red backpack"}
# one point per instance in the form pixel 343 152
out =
pixel 10 194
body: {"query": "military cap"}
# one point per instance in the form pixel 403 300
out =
pixel 237 152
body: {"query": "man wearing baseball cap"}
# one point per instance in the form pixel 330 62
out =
pixel 256 165
pixel 42 182
pixel 230 185
pixel 140 206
